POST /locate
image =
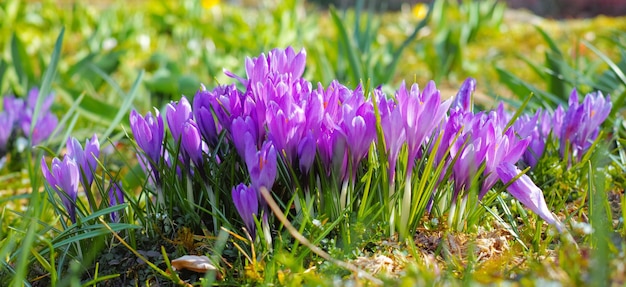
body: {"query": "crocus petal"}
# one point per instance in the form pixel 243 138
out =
pixel 524 190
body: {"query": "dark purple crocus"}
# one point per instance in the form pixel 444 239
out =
pixel 63 177
pixel 191 142
pixel 247 204
pixel 526 192
pixel 306 152
pixel 241 129
pixel 148 132
pixel 116 196
pixel 463 99
pixel 6 128
pixel 203 115
pixel 261 164
pixel 86 159
pixel 227 103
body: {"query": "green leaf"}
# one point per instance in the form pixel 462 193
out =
pixel 123 110
pixel 618 101
pixel 21 61
pixel 48 77
pixel 348 47
pixel 3 69
pixel 553 47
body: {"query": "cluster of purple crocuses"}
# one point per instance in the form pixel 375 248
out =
pixel 17 117
pixel 281 117
pixel 78 167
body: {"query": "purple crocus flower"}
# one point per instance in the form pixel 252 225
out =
pixel 277 63
pixel 285 126
pixel 243 128
pixel 422 113
pixel 148 132
pixel 261 164
pixel 578 127
pixel 46 122
pixel 331 152
pixel 43 128
pixel 177 114
pixel 504 148
pixel 463 99
pixel 63 177
pixel 394 133
pixel 116 196
pixel 227 103
pixel 14 107
pixel 471 148
pixel 537 128
pixel 191 142
pixel 86 159
pixel 306 152
pixel 204 116
pixel 524 190
pixel 6 128
pixel 358 126
pixel 31 100
pixel 247 204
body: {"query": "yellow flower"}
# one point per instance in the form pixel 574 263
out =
pixel 208 4
pixel 420 10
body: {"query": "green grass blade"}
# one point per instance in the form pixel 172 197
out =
pixel 128 101
pixel 619 101
pixel 21 62
pixel 396 55
pixel 349 49
pixel 49 75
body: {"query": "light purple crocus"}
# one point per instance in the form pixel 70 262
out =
pixel 393 131
pixel 63 177
pixel 526 192
pixel 537 128
pixel 247 204
pixel 506 148
pixel 177 113
pixel 86 159
pixel 43 128
pixel 46 121
pixel 421 112
pixel 358 126
pixel 116 196
pixel 581 123
pixel 331 152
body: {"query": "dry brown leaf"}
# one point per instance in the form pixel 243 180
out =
pixel 200 264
